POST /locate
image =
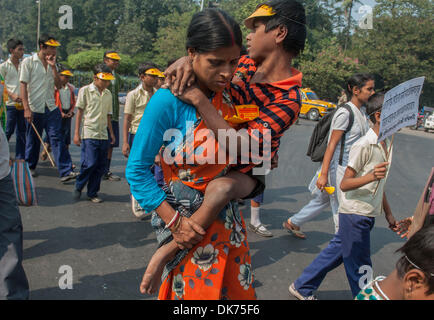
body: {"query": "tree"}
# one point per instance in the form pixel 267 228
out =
pixel 400 46
pixel 326 71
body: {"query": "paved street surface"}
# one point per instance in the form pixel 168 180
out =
pixel 108 248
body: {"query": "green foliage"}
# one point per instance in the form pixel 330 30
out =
pixel 326 71
pixel 86 60
pixel 400 46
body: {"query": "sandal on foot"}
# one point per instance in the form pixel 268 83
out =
pixel 290 227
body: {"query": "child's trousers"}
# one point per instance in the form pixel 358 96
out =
pixel 351 245
pixel 93 162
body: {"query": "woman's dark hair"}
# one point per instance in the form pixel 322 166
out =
pixel 44 38
pixel 374 104
pixel 358 80
pixel 101 67
pixel 290 14
pixel 145 67
pixel 13 44
pixel 212 29
pixel 419 249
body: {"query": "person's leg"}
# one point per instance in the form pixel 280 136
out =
pixel 13 280
pixel 356 247
pixel 328 259
pixel 88 163
pixel 54 132
pixel 100 154
pixel 219 192
pixel 152 277
pixel 108 174
pixel 20 148
pixel 317 205
pixel 11 121
pixel 255 224
pixel 33 143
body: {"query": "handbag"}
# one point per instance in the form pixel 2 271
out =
pixel 24 186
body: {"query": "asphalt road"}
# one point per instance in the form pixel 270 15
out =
pixel 108 248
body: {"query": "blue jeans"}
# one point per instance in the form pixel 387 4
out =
pixel 13 280
pixel 315 206
pixel 351 245
pixel 93 162
pixel 51 121
pixel 16 122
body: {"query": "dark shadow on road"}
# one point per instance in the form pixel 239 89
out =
pixel 127 234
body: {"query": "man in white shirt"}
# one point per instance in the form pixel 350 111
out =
pixel 38 77
pixel 10 70
pixel 13 280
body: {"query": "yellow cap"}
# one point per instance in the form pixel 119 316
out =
pixel 67 73
pixel 262 11
pixel 113 55
pixel 155 72
pixel 105 76
pixel 52 43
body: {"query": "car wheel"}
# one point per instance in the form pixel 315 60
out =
pixel 313 114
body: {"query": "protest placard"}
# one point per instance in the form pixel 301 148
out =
pixel 400 107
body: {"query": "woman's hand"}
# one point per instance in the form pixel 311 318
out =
pixel 179 76
pixel 188 234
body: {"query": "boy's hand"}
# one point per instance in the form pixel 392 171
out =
pixel 179 76
pixel 126 150
pixel 51 60
pixel 403 227
pixel 70 114
pixel 322 182
pixel 28 115
pixel 393 225
pixel 113 139
pixel 380 171
pixel 192 95
pixel 77 140
pixel 64 115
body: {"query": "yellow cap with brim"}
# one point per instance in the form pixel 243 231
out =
pixel 52 43
pixel 67 73
pixel 155 72
pixel 113 55
pixel 105 76
pixel 262 11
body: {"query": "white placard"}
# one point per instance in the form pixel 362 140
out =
pixel 400 107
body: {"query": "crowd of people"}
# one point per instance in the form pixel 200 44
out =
pixel 203 252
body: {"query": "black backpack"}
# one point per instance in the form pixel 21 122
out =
pixel 319 139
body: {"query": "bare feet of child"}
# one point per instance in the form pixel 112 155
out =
pixel 152 277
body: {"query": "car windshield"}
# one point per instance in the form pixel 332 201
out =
pixel 312 96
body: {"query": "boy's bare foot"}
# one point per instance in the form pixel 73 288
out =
pixel 151 278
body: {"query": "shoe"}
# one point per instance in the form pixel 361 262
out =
pixel 260 229
pixel 34 173
pixel 290 227
pixel 137 209
pixel 76 194
pixel 95 199
pixel 111 177
pixel 72 175
pixel 298 295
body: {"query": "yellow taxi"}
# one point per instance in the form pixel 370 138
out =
pixel 312 107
